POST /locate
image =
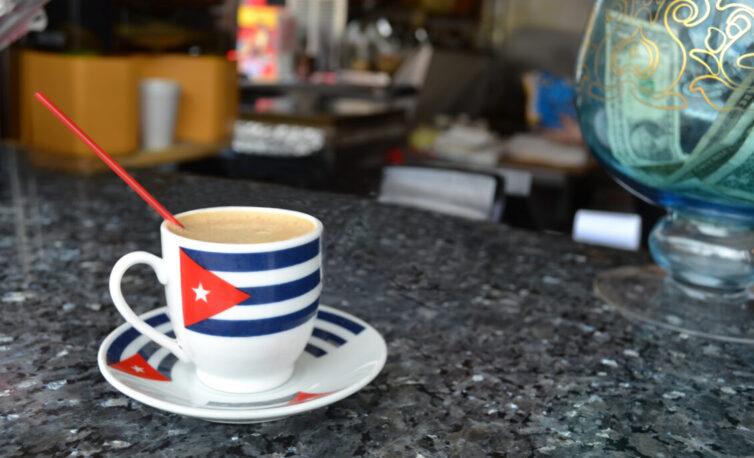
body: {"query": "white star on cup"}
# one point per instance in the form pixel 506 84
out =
pixel 137 368
pixel 201 293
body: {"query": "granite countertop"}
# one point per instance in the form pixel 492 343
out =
pixel 497 345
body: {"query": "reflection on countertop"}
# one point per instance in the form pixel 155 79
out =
pixel 497 345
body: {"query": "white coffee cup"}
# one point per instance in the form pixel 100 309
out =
pixel 273 291
pixel 159 110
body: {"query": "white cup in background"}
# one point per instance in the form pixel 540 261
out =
pixel 159 109
pixel 616 230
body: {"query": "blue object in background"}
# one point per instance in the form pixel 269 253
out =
pixel 555 97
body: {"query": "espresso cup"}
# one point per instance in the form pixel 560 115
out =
pixel 242 313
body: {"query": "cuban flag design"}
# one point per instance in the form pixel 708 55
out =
pixel 233 294
pixel 147 359
pixel 133 354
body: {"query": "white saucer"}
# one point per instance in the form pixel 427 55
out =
pixel 343 355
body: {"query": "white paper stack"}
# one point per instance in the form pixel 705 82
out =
pixel 457 193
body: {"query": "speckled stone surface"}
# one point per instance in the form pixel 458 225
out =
pixel 497 346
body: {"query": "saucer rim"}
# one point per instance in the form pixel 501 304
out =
pixel 252 415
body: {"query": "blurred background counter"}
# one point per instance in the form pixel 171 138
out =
pixel 319 94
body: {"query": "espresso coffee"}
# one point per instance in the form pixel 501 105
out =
pixel 241 226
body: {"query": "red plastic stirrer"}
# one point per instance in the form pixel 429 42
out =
pixel 108 160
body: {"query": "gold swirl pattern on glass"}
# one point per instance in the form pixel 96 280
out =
pixel 662 53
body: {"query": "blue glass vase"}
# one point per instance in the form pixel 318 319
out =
pixel 665 100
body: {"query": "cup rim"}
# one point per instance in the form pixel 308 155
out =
pixel 257 247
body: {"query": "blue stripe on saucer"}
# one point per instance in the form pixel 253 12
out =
pixel 343 322
pixel 275 293
pixel 166 365
pixel 328 337
pixel 123 340
pixel 148 349
pixel 254 262
pixel 251 328
pixel 314 350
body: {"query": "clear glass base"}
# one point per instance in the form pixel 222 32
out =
pixel 705 253
pixel 647 294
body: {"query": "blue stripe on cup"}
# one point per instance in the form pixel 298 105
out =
pixel 254 262
pixel 252 328
pixel 284 291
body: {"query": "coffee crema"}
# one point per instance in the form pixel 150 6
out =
pixel 241 226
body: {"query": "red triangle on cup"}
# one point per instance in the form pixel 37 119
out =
pixel 203 293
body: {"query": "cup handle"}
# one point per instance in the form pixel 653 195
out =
pixel 116 276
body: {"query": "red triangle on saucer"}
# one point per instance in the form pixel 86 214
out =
pixel 302 397
pixel 136 365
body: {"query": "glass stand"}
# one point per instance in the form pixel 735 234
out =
pixel 647 294
pixel 678 136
